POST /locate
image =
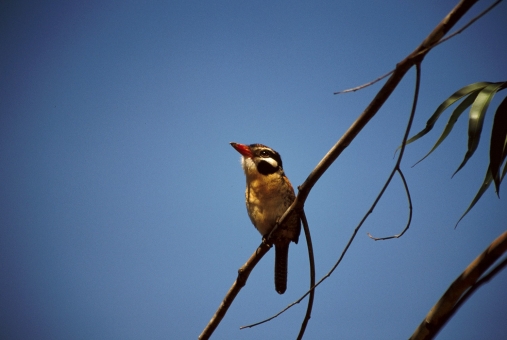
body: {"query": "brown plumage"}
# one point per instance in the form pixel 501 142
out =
pixel 268 195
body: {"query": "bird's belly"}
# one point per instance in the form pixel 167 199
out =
pixel 263 219
pixel 264 211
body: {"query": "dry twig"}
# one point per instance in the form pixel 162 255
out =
pixel 371 110
pixel 312 284
pixel 480 15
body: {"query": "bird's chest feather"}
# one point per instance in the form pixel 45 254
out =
pixel 267 198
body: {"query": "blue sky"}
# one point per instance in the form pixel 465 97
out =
pixel 122 202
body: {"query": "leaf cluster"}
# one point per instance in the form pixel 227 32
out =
pixel 477 97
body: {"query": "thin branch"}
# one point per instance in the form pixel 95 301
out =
pixel 398 162
pixel 409 212
pixel 243 274
pixel 312 283
pixel 308 314
pixel 461 288
pixel 371 110
pixel 360 87
pixel 480 15
pixel 485 279
pixel 407 131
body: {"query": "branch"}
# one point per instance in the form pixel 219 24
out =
pixel 409 212
pixel 308 314
pixel 243 274
pixel 480 15
pixel 398 162
pixel 312 284
pixel 371 110
pixel 462 288
pixel 396 168
pixel 401 69
pixel 360 87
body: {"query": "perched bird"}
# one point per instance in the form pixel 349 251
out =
pixel 268 195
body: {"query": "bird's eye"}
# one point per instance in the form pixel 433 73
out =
pixel 266 153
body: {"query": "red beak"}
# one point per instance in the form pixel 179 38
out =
pixel 243 149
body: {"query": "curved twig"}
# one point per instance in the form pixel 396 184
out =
pixel 308 314
pixel 312 283
pixel 409 212
pixel 360 87
pixel 477 17
pixel 398 162
pixel 401 69
pixel 407 131
pixel 371 110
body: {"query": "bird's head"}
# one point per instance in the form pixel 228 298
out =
pixel 258 157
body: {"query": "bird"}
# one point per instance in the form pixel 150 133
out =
pixel 268 194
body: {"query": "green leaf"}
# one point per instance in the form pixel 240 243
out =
pixel 485 185
pixel 448 102
pixel 476 119
pixel 497 149
pixel 452 120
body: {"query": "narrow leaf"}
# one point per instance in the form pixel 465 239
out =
pixel 448 102
pixel 476 119
pixel 497 146
pixel 485 185
pixel 452 120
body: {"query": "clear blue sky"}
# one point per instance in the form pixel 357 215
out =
pixel 122 203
